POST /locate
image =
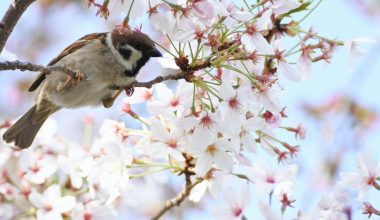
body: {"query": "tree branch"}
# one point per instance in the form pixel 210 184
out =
pixel 180 75
pixel 26 66
pixel 159 79
pixel 177 200
pixel 23 66
pixel 188 171
pixel 11 17
pixel 186 73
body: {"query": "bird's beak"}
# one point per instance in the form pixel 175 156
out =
pixel 155 53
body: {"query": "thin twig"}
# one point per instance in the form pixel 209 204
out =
pixel 159 79
pixel 149 84
pixel 26 66
pixel 188 172
pixel 177 200
pixel 10 19
pixel 186 74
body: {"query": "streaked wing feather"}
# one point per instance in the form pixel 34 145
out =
pixel 68 50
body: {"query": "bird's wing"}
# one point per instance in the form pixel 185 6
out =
pixel 68 50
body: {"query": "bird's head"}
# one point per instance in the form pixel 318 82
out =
pixel 132 49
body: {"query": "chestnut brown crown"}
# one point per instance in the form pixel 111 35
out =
pixel 135 39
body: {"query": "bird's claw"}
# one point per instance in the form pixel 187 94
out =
pixel 79 77
pixel 108 102
pixel 130 90
pixel 70 81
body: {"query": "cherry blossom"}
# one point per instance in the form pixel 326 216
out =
pixel 213 183
pixel 269 98
pixel 232 104
pixel 140 95
pixel 206 123
pixel 253 38
pixel 268 212
pixel 354 49
pixel 284 193
pixel 332 206
pixel 364 178
pixel 283 67
pixel 168 143
pixel 369 210
pixel 304 67
pixel 37 168
pixel 163 21
pixel 267 179
pixel 50 204
pixel 112 169
pixel 167 101
pixel 94 210
pixel 283 6
pixel 228 8
pixel 235 204
pixel 7 211
pixel 122 8
pixel 247 139
pixel 113 130
pixel 77 165
pixel 204 11
pixel 210 150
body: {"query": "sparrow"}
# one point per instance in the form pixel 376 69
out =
pixel 102 60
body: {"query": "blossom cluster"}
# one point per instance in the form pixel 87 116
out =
pixel 207 127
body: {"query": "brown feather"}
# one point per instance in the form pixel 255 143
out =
pixel 68 50
pixel 25 129
pixel 131 37
pixel 37 82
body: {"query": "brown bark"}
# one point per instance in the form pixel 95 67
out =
pixel 10 19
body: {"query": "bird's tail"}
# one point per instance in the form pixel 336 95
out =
pixel 25 129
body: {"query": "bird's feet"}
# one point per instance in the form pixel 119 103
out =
pixel 108 102
pixel 129 90
pixel 70 81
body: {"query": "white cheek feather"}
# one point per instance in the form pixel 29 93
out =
pixel 128 64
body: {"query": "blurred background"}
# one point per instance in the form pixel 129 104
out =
pixel 339 106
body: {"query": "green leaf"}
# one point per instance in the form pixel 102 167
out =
pixel 303 7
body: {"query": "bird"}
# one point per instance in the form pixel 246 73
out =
pixel 101 60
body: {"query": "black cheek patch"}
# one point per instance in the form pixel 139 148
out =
pixel 140 63
pixel 125 52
